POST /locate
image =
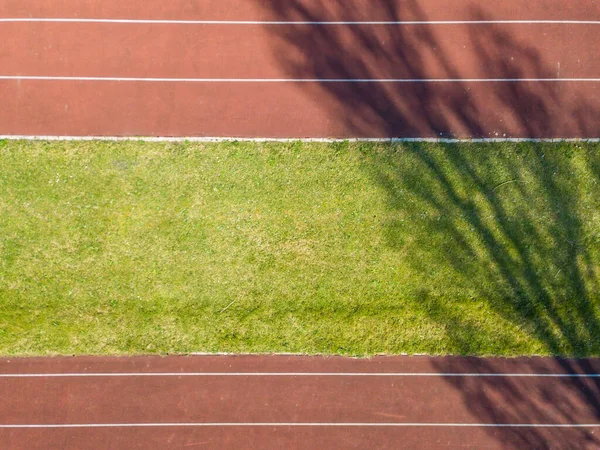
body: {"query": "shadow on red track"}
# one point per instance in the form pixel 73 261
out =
pixel 505 400
pixel 416 52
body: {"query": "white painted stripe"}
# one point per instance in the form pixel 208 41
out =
pixel 287 140
pixel 305 424
pixel 301 22
pixel 297 374
pixel 297 80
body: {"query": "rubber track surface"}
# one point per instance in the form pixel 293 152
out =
pixel 546 75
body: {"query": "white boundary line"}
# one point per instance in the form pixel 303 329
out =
pixel 279 22
pixel 295 80
pixel 305 424
pixel 297 374
pixel 288 140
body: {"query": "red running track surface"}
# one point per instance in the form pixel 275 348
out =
pixel 547 75
pixel 298 402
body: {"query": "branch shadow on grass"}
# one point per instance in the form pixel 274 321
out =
pixel 512 227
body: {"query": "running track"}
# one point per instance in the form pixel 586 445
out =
pixel 300 68
pixel 299 402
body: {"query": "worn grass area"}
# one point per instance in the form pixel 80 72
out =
pixel 112 248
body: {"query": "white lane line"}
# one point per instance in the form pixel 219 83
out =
pixel 300 22
pixel 297 80
pixel 305 424
pixel 298 374
pixel 287 140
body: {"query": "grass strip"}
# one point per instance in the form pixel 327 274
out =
pixel 356 249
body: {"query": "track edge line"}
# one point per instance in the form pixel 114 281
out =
pixel 288 140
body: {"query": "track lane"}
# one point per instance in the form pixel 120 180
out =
pixel 437 396
pixel 292 438
pixel 268 399
pixel 256 51
pixel 256 10
pixel 489 110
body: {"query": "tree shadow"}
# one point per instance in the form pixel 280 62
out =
pixel 514 400
pixel 508 225
pixel 423 52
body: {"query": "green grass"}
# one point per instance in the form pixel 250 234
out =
pixel 118 248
